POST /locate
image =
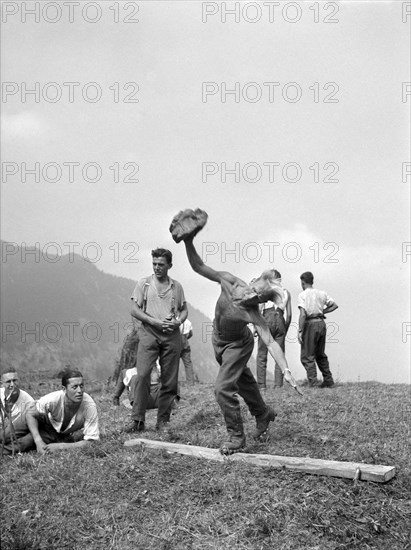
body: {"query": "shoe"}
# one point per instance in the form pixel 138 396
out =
pixel 314 384
pixel 116 401
pixel 263 421
pixel 163 427
pixel 134 426
pixel 233 444
pixel 327 385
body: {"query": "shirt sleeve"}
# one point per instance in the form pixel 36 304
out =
pixel 41 408
pixel 328 300
pixel 301 300
pixel 91 427
pixel 138 293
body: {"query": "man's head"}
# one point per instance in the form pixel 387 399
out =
pixel 266 287
pixel 162 262
pixel 73 385
pixel 9 380
pixel 307 279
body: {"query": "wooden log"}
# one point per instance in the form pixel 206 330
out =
pixel 350 470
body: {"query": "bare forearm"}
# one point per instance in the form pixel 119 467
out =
pixel 33 426
pixel 193 257
pixel 69 446
pixel 330 308
pixel 301 320
pixel 140 315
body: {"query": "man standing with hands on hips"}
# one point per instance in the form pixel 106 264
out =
pixel 160 306
pixel 312 331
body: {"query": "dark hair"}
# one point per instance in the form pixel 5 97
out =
pixel 70 373
pixel 307 277
pixel 8 370
pixel 163 253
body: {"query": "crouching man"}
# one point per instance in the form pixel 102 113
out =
pixel 14 433
pixel 64 419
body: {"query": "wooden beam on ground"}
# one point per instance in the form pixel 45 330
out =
pixel 349 470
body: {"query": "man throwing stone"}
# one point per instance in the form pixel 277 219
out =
pixel 160 306
pixel 232 340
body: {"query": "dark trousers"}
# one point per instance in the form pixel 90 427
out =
pixel 120 387
pixel 22 439
pixel 153 398
pixel 234 377
pixel 188 365
pixel 276 324
pixel 313 351
pixel 153 345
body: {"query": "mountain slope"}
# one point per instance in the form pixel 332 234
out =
pixel 65 311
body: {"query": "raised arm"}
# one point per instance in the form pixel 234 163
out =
pixel 202 269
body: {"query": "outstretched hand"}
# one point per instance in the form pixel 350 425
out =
pixel 288 377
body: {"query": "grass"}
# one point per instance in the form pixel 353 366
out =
pixel 113 497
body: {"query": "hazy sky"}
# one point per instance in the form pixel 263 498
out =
pixel 287 123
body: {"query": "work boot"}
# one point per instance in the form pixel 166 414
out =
pixel 233 444
pixel 263 421
pixel 327 384
pixel 133 426
pixel 235 429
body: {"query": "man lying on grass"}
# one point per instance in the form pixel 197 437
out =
pixel 232 340
pixel 64 419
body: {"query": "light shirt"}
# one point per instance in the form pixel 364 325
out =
pixel 186 327
pixel 19 408
pixel 50 409
pixel 280 304
pixel 159 305
pixel 314 301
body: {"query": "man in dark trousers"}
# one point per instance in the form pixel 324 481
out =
pixel 312 331
pixel 233 341
pixel 160 306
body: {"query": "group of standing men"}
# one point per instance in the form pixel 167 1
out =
pixel 313 304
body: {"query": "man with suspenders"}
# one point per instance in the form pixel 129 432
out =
pixel 159 305
pixel 278 317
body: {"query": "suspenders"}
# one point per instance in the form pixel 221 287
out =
pixel 173 297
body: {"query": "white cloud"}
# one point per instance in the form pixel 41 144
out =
pixel 24 125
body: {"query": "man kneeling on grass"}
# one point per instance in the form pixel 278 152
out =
pixel 64 419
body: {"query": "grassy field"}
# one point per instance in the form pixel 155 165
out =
pixel 113 497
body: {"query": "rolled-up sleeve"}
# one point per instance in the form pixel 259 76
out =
pixel 138 293
pixel 91 426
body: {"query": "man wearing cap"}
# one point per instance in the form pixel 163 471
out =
pixel 312 331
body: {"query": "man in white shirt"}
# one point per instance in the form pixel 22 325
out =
pixel 313 305
pixel 65 419
pixel 14 404
pixel 186 330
